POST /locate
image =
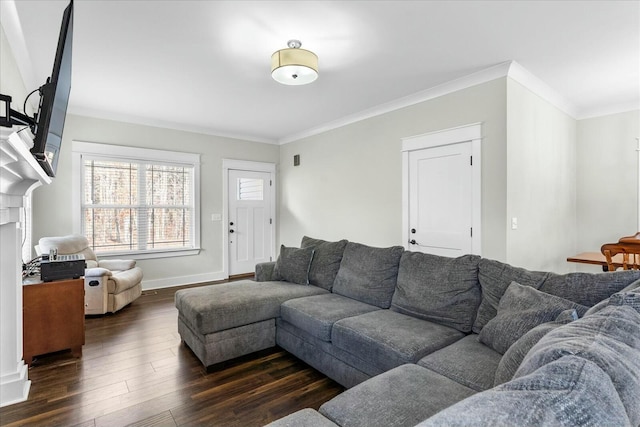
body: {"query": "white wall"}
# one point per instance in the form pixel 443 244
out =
pixel 349 182
pixel 52 204
pixel 607 176
pixel 541 182
pixel 11 82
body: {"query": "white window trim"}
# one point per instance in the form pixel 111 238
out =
pixel 80 148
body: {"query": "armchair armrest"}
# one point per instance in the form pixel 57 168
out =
pixel 96 272
pixel 117 264
pixel 264 271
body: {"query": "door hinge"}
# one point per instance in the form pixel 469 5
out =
pixel 471 230
pixel 270 183
pixel 270 221
pixel 471 160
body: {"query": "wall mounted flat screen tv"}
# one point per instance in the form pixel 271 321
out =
pixel 54 98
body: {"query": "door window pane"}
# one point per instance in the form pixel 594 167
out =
pixel 250 189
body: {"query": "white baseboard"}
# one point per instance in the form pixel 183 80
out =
pixel 15 386
pixel 182 280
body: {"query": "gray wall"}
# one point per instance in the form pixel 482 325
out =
pixel 52 204
pixel 349 182
pixel 541 182
pixel 607 177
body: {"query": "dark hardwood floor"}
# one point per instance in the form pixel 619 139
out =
pixel 135 372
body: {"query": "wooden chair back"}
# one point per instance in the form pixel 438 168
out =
pixel 628 247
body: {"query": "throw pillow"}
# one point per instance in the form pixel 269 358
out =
pixel 514 356
pixel 495 277
pixel 439 289
pixel 605 302
pixel 326 261
pixel 521 309
pixel 368 274
pixel 293 265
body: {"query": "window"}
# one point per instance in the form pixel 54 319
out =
pixel 250 189
pixel 137 201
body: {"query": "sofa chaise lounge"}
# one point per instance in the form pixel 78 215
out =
pixel 419 339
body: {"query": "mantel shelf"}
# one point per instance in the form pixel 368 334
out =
pixel 19 170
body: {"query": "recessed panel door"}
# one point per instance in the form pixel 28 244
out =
pixel 440 200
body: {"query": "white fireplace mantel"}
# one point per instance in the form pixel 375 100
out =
pixel 20 173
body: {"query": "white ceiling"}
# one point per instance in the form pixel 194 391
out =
pixel 204 65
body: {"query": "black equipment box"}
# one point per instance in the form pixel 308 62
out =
pixel 63 267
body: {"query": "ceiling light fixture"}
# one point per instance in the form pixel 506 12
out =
pixel 294 66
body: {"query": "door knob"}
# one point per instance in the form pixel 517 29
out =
pixel 412 241
pixel 231 231
pixel 231 223
pixel 413 231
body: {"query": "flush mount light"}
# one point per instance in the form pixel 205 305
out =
pixel 294 66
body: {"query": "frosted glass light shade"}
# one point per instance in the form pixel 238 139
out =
pixel 294 66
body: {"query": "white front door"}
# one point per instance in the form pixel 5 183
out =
pixel 440 195
pixel 249 220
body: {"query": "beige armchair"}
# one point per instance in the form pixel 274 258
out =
pixel 109 284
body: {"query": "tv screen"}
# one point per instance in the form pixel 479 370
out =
pixel 54 100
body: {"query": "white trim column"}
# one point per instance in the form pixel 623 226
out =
pixel 19 175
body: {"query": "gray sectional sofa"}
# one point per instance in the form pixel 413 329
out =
pixel 425 340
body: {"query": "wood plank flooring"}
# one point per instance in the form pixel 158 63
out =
pixel 135 372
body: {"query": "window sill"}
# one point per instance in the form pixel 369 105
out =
pixel 149 254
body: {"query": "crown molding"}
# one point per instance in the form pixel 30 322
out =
pixel 608 110
pixel 158 123
pixel 483 76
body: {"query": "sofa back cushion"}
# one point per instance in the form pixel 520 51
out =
pixel 326 261
pixel 368 274
pixel 495 277
pixel 439 289
pixel 610 339
pixel 588 288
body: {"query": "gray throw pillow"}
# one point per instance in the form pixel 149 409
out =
pixel 521 309
pixel 368 274
pixel 439 289
pixel 514 356
pixel 293 265
pixel 326 261
pixel 610 339
pixel 495 277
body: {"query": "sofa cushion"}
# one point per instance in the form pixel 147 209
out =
pixel 521 309
pixel 610 339
pixel 387 339
pixel 495 277
pixel 293 264
pixel 568 392
pixel 605 302
pixel 368 274
pixel 588 288
pixel 317 314
pixel 631 299
pixel 467 361
pixel 326 261
pixel 403 396
pixel 514 356
pixel 303 418
pixel 228 305
pixel 440 289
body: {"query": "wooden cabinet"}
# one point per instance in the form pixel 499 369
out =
pixel 53 317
